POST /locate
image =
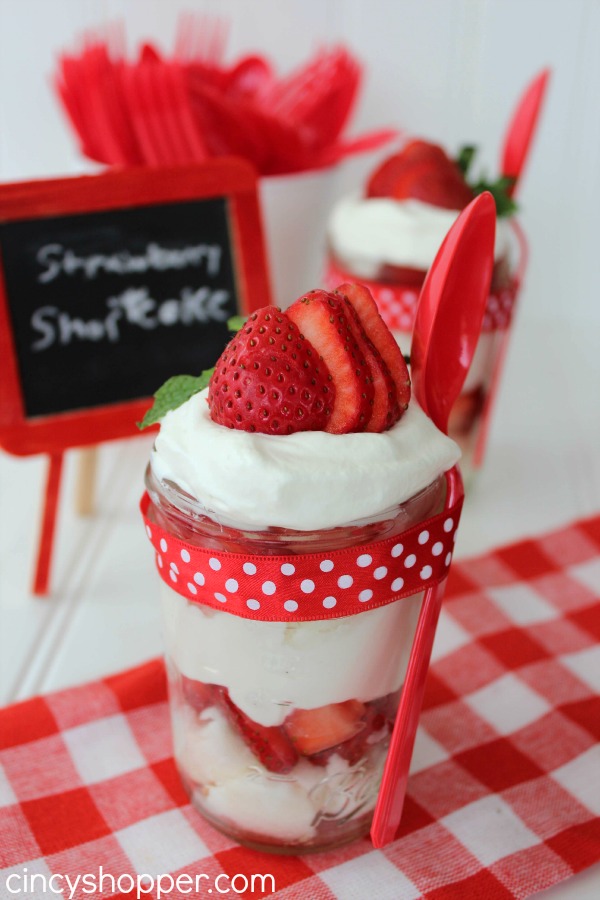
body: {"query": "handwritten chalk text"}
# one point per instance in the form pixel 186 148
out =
pixel 135 307
pixel 57 259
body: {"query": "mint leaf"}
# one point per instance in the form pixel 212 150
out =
pixel 236 323
pixel 465 157
pixel 500 191
pixel 180 388
pixel 173 394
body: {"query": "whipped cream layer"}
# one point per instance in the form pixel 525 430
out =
pixel 368 232
pixel 298 665
pixel 306 481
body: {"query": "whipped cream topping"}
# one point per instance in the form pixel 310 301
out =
pixel 306 481
pixel 368 232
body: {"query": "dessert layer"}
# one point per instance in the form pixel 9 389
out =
pixel 299 665
pixel 366 233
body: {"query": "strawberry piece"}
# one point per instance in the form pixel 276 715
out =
pixel 269 744
pixel 385 410
pixel 198 694
pixel 314 730
pixel 380 336
pixel 378 719
pixel 357 747
pixel 419 150
pixel 384 178
pixel 322 319
pixel 270 379
pixel 421 171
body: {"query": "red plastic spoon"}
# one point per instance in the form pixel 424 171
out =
pixel 451 308
pixel 522 127
pixel 447 328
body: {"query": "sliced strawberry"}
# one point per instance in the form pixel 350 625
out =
pixel 315 730
pixel 269 379
pixel 378 719
pixel 198 694
pixel 381 337
pixel 270 745
pixel 321 318
pixel 385 411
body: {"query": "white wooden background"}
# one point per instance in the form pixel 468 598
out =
pixel 447 69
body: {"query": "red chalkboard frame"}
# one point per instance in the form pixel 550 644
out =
pixel 230 178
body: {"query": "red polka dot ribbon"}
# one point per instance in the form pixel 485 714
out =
pixel 398 304
pixel 303 587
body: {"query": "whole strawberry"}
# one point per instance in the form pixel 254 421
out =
pixel 421 171
pixel 269 379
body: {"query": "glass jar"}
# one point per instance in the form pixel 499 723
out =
pixel 396 290
pixel 281 728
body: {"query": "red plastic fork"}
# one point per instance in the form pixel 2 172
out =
pixel 158 110
pixel 190 134
pixel 158 113
pixel 319 95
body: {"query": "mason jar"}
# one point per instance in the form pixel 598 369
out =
pixel 286 653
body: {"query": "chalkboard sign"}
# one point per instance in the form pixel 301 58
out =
pixel 110 284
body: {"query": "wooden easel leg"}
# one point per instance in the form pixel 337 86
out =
pixel 86 481
pixel 46 538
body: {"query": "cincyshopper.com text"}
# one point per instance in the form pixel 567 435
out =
pixel 95 884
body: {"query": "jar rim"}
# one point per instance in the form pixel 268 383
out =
pixel 178 503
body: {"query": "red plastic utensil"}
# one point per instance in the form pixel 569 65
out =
pixel 228 126
pixel 201 39
pixel 107 116
pixel 318 96
pixel 522 127
pixel 248 77
pixel 451 308
pixel 158 114
pixel 175 79
pixel 166 106
pixel 67 84
pixel 138 115
pixel 161 110
pixel 447 327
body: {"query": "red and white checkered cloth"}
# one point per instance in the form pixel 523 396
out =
pixel 504 799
